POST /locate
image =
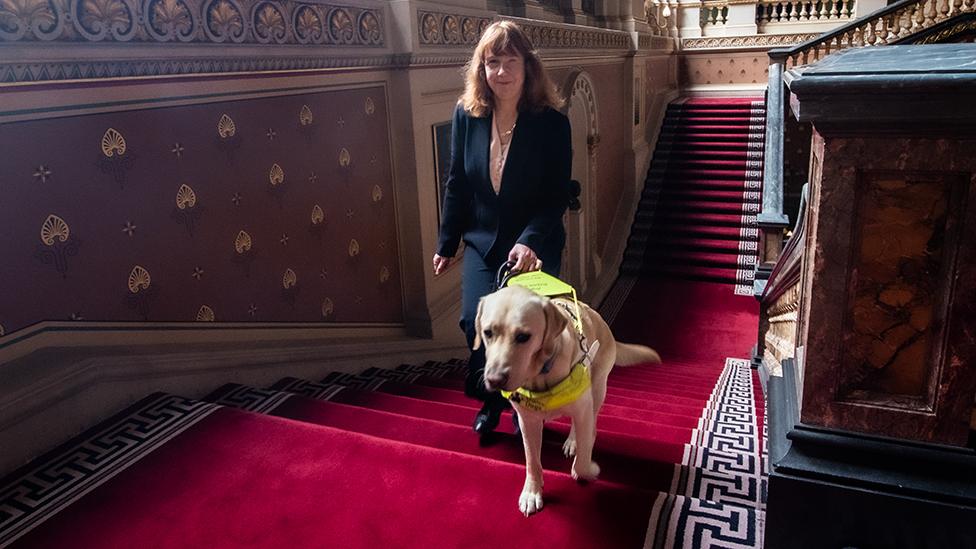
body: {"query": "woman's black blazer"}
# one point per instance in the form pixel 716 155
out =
pixel 534 190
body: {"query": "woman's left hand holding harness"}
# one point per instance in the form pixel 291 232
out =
pixel 524 258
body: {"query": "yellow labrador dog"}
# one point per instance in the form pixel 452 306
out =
pixel 532 347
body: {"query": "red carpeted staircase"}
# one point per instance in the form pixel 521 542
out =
pixel 387 458
pixel 697 219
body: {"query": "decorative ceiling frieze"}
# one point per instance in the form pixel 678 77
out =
pixel 191 21
pixel 749 41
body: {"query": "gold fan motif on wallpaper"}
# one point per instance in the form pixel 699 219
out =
pixel 384 274
pixel 54 228
pixel 377 193
pixel 185 197
pixel 205 314
pixel 318 216
pixel 243 242
pixel 327 308
pixel 305 117
pixel 353 248
pixel 289 279
pixel 369 107
pixel 276 176
pixel 113 143
pixel 344 157
pixel 139 279
pixel 226 127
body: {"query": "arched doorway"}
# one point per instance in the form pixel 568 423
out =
pixel 579 266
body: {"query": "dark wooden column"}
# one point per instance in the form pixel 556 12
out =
pixel 875 446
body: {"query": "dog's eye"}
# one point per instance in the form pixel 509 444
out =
pixel 522 338
pixel 487 334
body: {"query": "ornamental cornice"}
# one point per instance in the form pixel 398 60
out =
pixel 555 36
pixel 751 41
pixel 141 68
pixel 449 29
pixel 225 22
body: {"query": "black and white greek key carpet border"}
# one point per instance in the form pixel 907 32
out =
pixel 30 496
pixel 717 496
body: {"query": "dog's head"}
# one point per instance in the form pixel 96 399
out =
pixel 519 330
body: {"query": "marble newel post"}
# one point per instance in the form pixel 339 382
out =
pixel 890 265
pixel 873 453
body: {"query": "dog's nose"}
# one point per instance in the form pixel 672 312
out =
pixel 495 381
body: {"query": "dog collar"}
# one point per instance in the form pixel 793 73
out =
pixel 565 392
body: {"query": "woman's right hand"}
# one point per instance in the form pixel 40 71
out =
pixel 441 263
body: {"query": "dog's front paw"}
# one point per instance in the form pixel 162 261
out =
pixel 588 472
pixel 569 447
pixel 530 502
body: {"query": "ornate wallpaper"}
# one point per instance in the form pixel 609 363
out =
pixel 273 209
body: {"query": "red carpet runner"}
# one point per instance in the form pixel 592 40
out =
pixel 386 458
pixel 697 219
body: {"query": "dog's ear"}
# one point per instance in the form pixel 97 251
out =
pixel 556 322
pixel 477 325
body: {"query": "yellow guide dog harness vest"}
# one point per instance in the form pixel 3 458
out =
pixel 568 390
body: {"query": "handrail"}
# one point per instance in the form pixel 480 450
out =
pixel 786 273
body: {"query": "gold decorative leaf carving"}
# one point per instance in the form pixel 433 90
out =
pixel 205 314
pixel 289 279
pixel 102 14
pixel 170 14
pixel 54 228
pixel 139 279
pixel 113 143
pixel 353 248
pixel 344 157
pixel 308 25
pixel 185 197
pixel 225 19
pixel 369 106
pixel 377 193
pixel 318 216
pixel 276 176
pixel 305 117
pixel 327 308
pixel 384 274
pixel 243 242
pixel 226 127
pixel 270 21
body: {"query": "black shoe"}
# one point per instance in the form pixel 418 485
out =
pixel 487 419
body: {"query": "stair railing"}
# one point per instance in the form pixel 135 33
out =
pixel 885 26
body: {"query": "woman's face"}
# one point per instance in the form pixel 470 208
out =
pixel 505 73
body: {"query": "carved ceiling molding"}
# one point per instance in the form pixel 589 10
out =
pixel 112 69
pixel 753 41
pixel 553 36
pixel 191 21
pixel 448 29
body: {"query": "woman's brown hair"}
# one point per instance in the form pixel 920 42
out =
pixel 506 38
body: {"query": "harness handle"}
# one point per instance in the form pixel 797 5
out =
pixel 503 275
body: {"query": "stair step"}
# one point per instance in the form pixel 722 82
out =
pixel 684 193
pixel 700 257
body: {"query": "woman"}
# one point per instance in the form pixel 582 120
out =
pixel 508 185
